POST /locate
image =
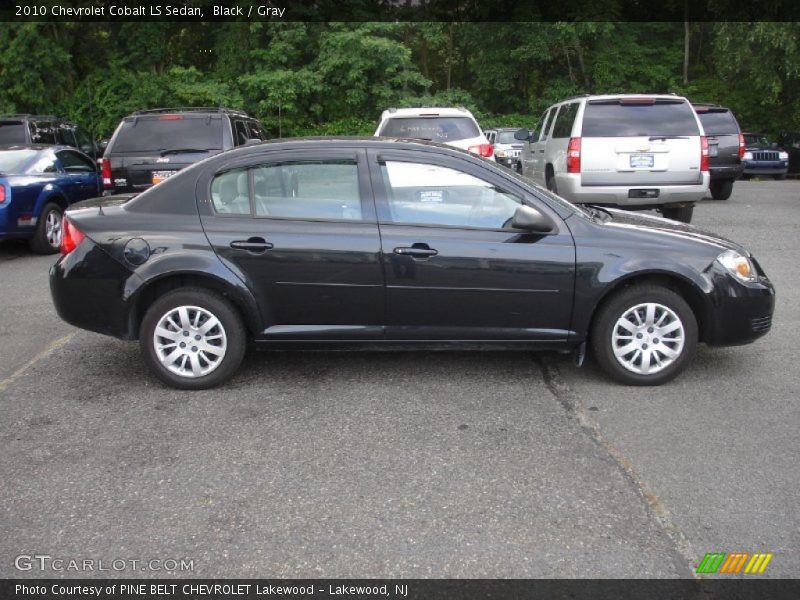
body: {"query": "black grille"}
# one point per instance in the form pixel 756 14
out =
pixel 761 324
pixel 765 155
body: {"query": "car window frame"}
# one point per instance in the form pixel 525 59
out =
pixel 274 157
pixel 499 181
pixel 547 122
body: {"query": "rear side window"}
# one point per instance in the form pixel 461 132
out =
pixel 615 118
pixel 230 193
pixel 12 132
pixel 168 133
pixel 718 122
pixel 313 190
pixel 65 135
pixel 43 132
pixel 435 129
pixel 564 120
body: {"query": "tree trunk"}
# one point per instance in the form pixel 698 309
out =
pixel 686 39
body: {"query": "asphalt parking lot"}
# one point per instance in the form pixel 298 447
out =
pixel 404 464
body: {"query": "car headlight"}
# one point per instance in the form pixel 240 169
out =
pixel 741 267
pixel 783 155
pixel 748 156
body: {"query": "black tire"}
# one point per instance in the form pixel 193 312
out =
pixel 550 181
pixel 678 213
pixel 613 309
pixel 40 243
pixel 721 190
pixel 232 328
pixel 780 177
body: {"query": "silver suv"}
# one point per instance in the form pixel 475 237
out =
pixel 628 150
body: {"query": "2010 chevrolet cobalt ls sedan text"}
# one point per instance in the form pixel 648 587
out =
pixel 360 242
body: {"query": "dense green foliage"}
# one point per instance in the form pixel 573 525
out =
pixel 335 78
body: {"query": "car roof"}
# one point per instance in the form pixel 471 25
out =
pixel 617 96
pixel 53 147
pixel 439 111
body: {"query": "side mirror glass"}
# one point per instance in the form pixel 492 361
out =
pixel 531 219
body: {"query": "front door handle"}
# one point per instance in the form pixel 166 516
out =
pixel 256 245
pixel 417 251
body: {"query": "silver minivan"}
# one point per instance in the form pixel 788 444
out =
pixel 627 150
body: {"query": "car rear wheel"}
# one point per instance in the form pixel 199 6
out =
pixel 644 335
pixel 551 182
pixel 721 190
pixel 678 213
pixel 192 338
pixel 47 238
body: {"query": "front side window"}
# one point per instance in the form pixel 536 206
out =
pixel 72 162
pixel 544 123
pixel 424 194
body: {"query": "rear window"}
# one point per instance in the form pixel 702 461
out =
pixel 718 122
pixel 159 134
pixel 12 132
pixel 506 137
pixel 611 118
pixel 435 129
pixel 11 161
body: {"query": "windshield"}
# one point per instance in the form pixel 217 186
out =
pixel 716 122
pixel 168 133
pixel 435 129
pixel 12 132
pixel 616 118
pixel 506 137
pixel 12 161
pixel 756 141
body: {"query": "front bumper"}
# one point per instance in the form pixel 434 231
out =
pixel 741 312
pixel 766 167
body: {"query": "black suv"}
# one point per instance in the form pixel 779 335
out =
pixel 150 145
pixel 725 148
pixel 25 129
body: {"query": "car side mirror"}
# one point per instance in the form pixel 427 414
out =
pixel 531 219
pixel 522 135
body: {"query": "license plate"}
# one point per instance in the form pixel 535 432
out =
pixel 159 176
pixel 642 161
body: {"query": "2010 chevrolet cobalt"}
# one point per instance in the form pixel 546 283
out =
pixel 360 242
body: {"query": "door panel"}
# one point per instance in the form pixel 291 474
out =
pixel 454 282
pixel 314 278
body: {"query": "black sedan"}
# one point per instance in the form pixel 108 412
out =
pixel 37 183
pixel 363 242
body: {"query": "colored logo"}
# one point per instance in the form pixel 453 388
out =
pixel 735 562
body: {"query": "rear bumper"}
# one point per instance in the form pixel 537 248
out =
pixel 726 172
pixel 93 298
pixel 569 187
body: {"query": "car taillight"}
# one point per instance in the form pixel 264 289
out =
pixel 741 146
pixel 704 154
pixel 71 236
pixel 574 155
pixel 106 169
pixel 485 150
pixel 2 193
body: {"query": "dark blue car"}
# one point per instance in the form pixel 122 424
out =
pixel 37 183
pixel 763 158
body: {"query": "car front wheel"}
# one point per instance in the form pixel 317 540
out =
pixel 192 338
pixel 644 335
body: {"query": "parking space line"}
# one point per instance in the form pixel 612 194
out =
pixel 51 347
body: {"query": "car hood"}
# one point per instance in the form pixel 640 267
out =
pixel 659 226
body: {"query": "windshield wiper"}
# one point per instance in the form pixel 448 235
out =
pixel 668 137
pixel 183 151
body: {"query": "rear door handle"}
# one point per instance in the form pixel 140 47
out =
pixel 417 251
pixel 256 245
